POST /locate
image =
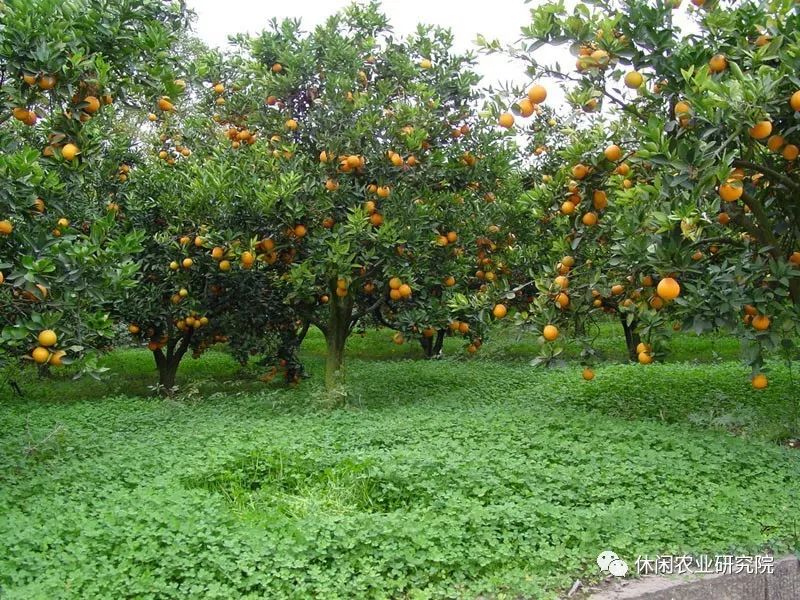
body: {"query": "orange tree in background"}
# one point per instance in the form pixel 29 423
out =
pixel 697 181
pixel 210 271
pixel 68 72
pixel 391 184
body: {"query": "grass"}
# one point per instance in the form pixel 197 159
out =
pixel 441 479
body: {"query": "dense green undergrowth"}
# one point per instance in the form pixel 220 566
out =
pixel 447 478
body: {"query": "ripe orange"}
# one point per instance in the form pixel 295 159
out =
pixel 224 265
pixel 133 329
pixel 165 105
pixel 642 347
pixel 69 151
pixel 331 185
pixel 731 190
pixel 668 288
pixel 795 258
pixel 463 328
pixel 760 323
pixel 682 108
pixel 567 207
pixel 775 143
pixel 589 219
pixel 55 359
pixel 562 282
pixel 718 63
pixel 499 311
pixel 794 101
pixel 537 94
pixel 587 374
pixel 398 338
pixel 550 332
pixel 506 120
pixel 617 289
pixel 300 231
pixel 790 152
pixel 599 200
pixel 759 382
pixel 580 171
pixel 376 219
pixel 645 358
pixel 634 80
pixel 405 290
pixel 47 82
pixel 187 263
pixel 219 88
pixel 568 261
pixel 526 107
pixel 47 338
pixel 449 281
pixel 613 153
pixel 395 283
pixel 395 295
pixel 277 68
pixel 562 300
pixel 425 63
pixel 761 130
pixel 92 104
pixel 290 124
pixel 6 227
pixel 40 355
pixel 247 259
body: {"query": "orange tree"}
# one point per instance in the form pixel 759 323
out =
pixel 394 180
pixel 704 198
pixel 67 71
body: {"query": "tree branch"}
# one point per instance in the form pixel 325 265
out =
pixel 768 172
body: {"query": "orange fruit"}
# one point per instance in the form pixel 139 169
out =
pixel 567 207
pixel 790 152
pixel 617 289
pixel 300 231
pixel 40 355
pixel 224 265
pixel 634 80
pixel 395 283
pixel 383 191
pixel 55 359
pixel 794 101
pixel 92 104
pixel 6 227
pixel 589 219
pixel 562 300
pixel 499 311
pixel 425 63
pixel 405 290
pixel 613 153
pixel 526 107
pixel 599 200
pixel 187 263
pixel 290 124
pixel 47 82
pixel 668 288
pixel 775 142
pixel 761 130
pixel 217 253
pixel 562 282
pixel 47 338
pixel 760 323
pixel 580 171
pixel 645 358
pixel 718 63
pixel 724 218
pixel 537 94
pixel 165 105
pixel 550 332
pixel 759 382
pixel 133 329
pixel 682 108
pixel 587 374
pixel 506 120
pixel 247 259
pixel 731 190
pixel 395 295
pixel 69 151
pixel 449 281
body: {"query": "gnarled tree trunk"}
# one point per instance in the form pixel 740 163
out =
pixel 632 338
pixel 169 361
pixel 336 333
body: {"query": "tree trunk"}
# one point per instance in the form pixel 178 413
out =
pixel 336 333
pixel 169 362
pixel 439 343
pixel 632 338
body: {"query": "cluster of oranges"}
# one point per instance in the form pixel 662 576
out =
pixel 527 106
pixel 44 353
pixel 399 290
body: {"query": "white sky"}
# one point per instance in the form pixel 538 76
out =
pixel 498 19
